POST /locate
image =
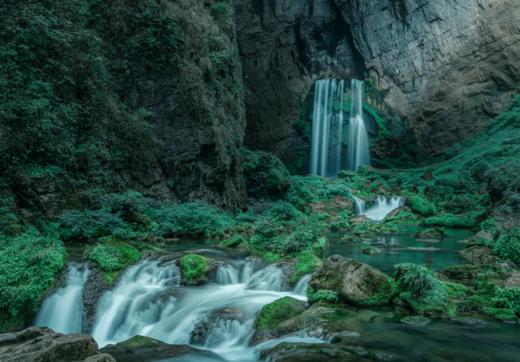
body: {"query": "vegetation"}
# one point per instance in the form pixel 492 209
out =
pixel 266 176
pixel 508 246
pixel 29 265
pixel 194 268
pixel 322 295
pixel 278 311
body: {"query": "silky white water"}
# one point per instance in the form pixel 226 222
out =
pixel 327 148
pixel 62 311
pixel 382 207
pixel 358 146
pixel 148 301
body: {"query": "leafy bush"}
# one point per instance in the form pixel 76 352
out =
pixel 194 268
pixel 29 266
pixel 88 224
pixel 322 295
pixel 422 206
pixel 283 211
pixel 505 304
pixel 468 220
pixel 266 176
pixel 310 189
pixel 419 288
pixel 306 235
pixel 508 246
pixel 192 219
pixel 113 255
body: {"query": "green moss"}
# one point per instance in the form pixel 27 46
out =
pixel 422 206
pixel 137 342
pixel 505 304
pixel 233 241
pixel 112 256
pixel 278 311
pixel 306 263
pixel 194 268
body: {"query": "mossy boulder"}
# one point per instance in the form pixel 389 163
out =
pixel 422 206
pixel 194 269
pixel 278 311
pixel 354 282
pixel 431 233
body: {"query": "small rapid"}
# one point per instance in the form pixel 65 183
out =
pixel 218 317
pixel 62 311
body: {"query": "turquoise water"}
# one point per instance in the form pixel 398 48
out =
pixel 403 247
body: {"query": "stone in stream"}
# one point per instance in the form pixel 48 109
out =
pixel 354 282
pixel 37 344
pixel 305 352
pixel 139 349
pixel 200 333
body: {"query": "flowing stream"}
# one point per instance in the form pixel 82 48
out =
pixel 62 311
pixel 218 317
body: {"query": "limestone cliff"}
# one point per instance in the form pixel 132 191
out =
pixel 444 66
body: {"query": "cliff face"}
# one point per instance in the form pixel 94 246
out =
pixel 445 66
pixel 144 95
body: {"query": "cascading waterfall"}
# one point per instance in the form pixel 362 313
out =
pixel 301 286
pixel 148 301
pixel 358 147
pixel 62 311
pixel 382 207
pixel 327 128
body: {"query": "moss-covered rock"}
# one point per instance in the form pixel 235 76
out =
pixel 422 206
pixel 278 311
pixel 355 283
pixel 306 262
pixel 194 268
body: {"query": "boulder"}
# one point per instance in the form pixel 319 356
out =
pixel 354 282
pixel 43 344
pixel 318 352
pixel 200 333
pixel 139 348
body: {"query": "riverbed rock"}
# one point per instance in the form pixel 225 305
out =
pixel 94 288
pixel 479 254
pixel 354 282
pixel 200 333
pixel 139 349
pixel 36 344
pixel 308 352
pixel 273 314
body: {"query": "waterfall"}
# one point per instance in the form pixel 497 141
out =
pixel 301 286
pixel 382 207
pixel 327 128
pixel 218 317
pixel 62 311
pixel 358 150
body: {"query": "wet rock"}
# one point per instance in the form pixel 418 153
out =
pixel 464 273
pixel 416 320
pixel 139 348
pixel 513 280
pixel 354 282
pixel 92 293
pixel 479 255
pixel 273 314
pixel 431 233
pixel 303 352
pixel 42 344
pixel 200 333
pixel 371 250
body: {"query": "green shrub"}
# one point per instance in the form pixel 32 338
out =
pixel 113 255
pixel 310 189
pixel 265 175
pixel 29 266
pixel 306 235
pixel 508 246
pixel 284 211
pixel 422 206
pixel 192 219
pixel 194 268
pixel 306 263
pixel 87 224
pixel 419 289
pixel 505 304
pixel 468 220
pixel 322 295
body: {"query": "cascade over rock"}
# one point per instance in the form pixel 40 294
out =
pixel 430 59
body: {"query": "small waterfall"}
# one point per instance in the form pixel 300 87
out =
pixel 301 286
pixel 358 147
pixel 219 317
pixel 382 207
pixel 360 205
pixel 62 311
pixel 327 128
pixel 138 301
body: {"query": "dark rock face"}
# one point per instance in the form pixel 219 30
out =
pixel 92 293
pixel 285 46
pixel 202 330
pixel 445 66
pixel 42 344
